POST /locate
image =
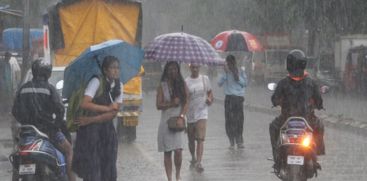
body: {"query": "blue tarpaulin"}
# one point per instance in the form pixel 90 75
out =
pixel 13 37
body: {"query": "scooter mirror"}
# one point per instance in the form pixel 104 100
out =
pixel 272 86
pixel 60 84
pixel 324 89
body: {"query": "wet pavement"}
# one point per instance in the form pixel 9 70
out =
pixel 140 161
pixel 345 159
pixel 341 110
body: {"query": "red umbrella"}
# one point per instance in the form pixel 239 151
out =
pixel 234 40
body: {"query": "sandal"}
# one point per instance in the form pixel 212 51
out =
pixel 199 168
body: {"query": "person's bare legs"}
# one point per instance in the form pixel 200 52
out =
pixel 68 151
pixel 168 164
pixel 178 162
pixel 199 151
pixel 191 139
pixel 201 131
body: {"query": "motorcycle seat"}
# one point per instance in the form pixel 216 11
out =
pixel 297 124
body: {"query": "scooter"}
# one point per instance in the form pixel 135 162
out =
pixel 296 157
pixel 36 158
pixel 296 151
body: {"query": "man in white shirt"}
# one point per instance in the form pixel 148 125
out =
pixel 201 97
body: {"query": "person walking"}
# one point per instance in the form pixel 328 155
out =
pixel 9 80
pixel 201 97
pixel 172 100
pixel 234 82
pixel 95 151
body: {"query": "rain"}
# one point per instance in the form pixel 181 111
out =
pixel 77 36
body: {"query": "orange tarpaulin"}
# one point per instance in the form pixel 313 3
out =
pixel 133 86
pixel 91 22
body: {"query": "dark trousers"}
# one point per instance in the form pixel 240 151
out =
pixel 314 122
pixel 233 107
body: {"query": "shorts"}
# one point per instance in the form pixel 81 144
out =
pixel 58 138
pixel 197 130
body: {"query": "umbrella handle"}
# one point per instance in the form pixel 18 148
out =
pixel 110 97
pixel 98 62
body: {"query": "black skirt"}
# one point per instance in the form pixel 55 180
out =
pixel 95 152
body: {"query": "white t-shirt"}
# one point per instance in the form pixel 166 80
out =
pixel 198 88
pixel 92 88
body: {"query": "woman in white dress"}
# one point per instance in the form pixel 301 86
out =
pixel 172 100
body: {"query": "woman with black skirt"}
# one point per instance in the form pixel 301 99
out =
pixel 95 150
pixel 234 82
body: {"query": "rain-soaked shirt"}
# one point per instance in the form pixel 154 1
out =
pixel 93 86
pixel 198 88
pixel 297 97
pixel 38 103
pixel 231 86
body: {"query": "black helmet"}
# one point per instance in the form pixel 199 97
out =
pixel 296 62
pixel 41 69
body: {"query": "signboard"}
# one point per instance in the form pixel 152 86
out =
pixel 277 41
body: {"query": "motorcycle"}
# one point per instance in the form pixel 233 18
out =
pixel 36 158
pixel 297 156
pixel 296 151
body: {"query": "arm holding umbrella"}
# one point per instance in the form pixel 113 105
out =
pixel 107 112
pixel 222 79
pixel 242 79
pixel 106 85
pixel 88 104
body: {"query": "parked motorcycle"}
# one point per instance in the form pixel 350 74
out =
pixel 36 158
pixel 296 150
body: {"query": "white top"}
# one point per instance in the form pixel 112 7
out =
pixel 198 88
pixel 15 72
pixel 92 88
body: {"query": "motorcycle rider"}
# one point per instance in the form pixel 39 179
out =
pixel 38 103
pixel 298 95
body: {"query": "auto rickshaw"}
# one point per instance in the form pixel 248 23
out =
pixel 355 75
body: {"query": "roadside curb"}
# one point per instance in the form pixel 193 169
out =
pixel 338 122
pixel 348 124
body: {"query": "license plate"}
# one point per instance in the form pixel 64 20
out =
pixel 26 169
pixel 295 160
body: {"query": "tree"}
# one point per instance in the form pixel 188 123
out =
pixel 324 20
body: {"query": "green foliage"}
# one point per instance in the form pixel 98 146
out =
pixel 325 20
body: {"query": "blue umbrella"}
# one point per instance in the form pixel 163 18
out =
pixel 88 64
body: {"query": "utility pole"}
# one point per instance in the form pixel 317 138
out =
pixel 26 49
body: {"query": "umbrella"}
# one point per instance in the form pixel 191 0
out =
pixel 182 47
pixel 88 64
pixel 234 40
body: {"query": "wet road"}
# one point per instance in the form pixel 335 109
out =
pixel 345 159
pixel 140 161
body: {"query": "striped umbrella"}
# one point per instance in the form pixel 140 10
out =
pixel 183 48
pixel 234 40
